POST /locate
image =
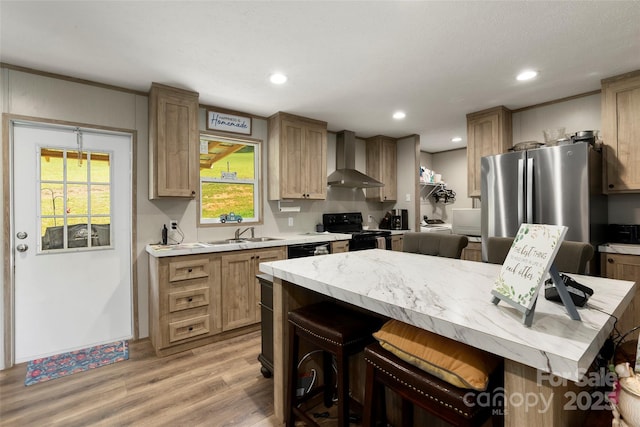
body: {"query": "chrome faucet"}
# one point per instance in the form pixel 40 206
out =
pixel 240 233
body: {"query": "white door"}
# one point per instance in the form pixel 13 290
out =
pixel 71 230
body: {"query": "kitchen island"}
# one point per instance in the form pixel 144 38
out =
pixel 452 298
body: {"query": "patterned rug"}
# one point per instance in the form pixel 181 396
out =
pixel 60 365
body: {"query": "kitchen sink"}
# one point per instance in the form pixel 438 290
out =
pixel 261 239
pixel 248 240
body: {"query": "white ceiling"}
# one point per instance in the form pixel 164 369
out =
pixel 349 63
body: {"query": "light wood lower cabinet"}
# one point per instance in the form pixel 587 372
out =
pixel 184 301
pixel 473 252
pixel 339 246
pixel 198 299
pixel 396 242
pixel 240 288
pixel 624 267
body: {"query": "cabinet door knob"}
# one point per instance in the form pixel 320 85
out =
pixel 610 260
pixel 190 270
pixel 193 192
pixel 190 300
pixel 610 185
pixel 190 328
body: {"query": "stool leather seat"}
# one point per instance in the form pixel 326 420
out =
pixel 455 405
pixel 337 331
pixel 333 324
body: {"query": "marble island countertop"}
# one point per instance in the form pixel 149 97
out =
pixel 452 297
pixel 278 240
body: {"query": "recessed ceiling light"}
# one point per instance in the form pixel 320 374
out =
pixel 398 115
pixel 456 139
pixel 527 75
pixel 278 78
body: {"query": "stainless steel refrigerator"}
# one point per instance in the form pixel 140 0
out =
pixel 560 185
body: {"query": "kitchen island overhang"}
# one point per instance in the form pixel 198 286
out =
pixel 452 298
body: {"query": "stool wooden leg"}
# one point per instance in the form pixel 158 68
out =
pixel 407 413
pixel 368 417
pixel 294 342
pixel 343 389
pixel 327 368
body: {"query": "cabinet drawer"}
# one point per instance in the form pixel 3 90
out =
pixel 183 300
pixel 188 328
pixel 188 269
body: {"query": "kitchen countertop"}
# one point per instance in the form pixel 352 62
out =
pixel 456 303
pixel 159 251
pixel 620 248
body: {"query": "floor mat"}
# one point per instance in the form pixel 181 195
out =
pixel 60 365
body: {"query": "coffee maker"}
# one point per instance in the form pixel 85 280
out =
pixel 400 219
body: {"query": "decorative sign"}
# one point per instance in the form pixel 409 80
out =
pixel 228 122
pixel 527 265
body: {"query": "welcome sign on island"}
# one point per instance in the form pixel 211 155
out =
pixel 527 264
pixel 228 122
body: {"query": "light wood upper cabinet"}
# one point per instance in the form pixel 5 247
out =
pixel 382 165
pixel 624 267
pixel 488 132
pixel 297 158
pixel 173 142
pixel 621 133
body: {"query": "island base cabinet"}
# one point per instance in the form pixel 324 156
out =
pixel 521 382
pixel 539 399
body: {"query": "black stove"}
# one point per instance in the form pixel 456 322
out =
pixel 351 223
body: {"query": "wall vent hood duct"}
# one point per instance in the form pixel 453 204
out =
pixel 346 174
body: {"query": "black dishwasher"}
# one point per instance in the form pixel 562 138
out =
pixel 266 302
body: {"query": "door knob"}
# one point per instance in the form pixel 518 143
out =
pixel 22 247
pixel 21 235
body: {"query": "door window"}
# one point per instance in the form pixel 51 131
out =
pixel 75 199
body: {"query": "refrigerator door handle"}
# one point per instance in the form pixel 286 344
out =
pixel 530 190
pixel 521 217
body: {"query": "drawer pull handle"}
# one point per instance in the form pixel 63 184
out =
pixel 190 328
pixel 190 270
pixel 190 300
pixel 610 260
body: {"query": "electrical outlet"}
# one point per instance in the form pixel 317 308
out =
pixel 407 197
pixel 173 224
pixel 290 221
pixel 369 218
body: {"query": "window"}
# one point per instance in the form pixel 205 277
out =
pixel 75 199
pixel 229 180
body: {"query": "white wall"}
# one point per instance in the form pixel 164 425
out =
pixel 452 165
pixel 44 97
pixel 407 175
pixel 573 115
pixel 576 114
pixel 50 98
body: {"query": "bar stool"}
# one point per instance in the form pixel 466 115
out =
pixel 338 332
pixel 455 405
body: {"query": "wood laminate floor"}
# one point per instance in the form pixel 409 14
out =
pixel 216 385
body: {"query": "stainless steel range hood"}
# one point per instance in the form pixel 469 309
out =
pixel 346 174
